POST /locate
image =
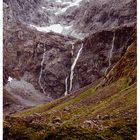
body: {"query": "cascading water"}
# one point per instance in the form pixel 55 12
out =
pixel 111 51
pixel 110 54
pixel 66 80
pixel 72 49
pixel 66 86
pixel 73 66
pixel 41 71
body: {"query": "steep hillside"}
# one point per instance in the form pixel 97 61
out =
pixel 103 110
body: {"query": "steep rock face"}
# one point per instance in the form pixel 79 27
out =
pixel 26 11
pixel 45 60
pixel 95 15
pixel 100 52
pixel 111 14
pixel 24 57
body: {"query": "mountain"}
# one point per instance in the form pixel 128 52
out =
pixel 69 69
pixel 102 110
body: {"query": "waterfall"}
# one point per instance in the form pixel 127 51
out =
pixel 41 71
pixel 72 49
pixel 66 86
pixel 66 80
pixel 110 53
pixel 73 66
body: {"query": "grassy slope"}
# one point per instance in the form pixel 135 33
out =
pixel 110 104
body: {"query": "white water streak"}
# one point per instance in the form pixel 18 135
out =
pixel 73 66
pixel 72 49
pixel 66 86
pixel 110 54
pixel 111 51
pixel 41 71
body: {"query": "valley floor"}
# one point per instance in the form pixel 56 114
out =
pixel 108 112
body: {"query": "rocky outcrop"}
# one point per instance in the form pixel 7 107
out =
pixel 92 16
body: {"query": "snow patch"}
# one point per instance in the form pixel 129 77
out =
pixel 57 28
pixel 66 30
pixel 70 4
pixel 58 1
pixel 10 79
pixel 44 8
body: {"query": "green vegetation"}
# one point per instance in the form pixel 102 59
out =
pixel 66 132
pixel 115 99
pixel 61 103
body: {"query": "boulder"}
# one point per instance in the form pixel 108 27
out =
pixel 34 117
pixel 89 124
pixel 56 120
